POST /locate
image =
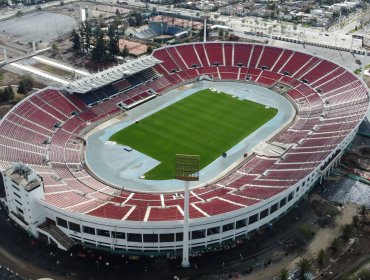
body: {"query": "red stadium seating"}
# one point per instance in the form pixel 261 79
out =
pixel 329 106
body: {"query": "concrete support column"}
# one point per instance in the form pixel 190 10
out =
pixel 205 31
pixel 5 56
pixel 185 247
pixel 364 65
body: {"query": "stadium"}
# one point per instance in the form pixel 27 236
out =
pixel 59 185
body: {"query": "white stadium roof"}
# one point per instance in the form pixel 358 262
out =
pixel 112 74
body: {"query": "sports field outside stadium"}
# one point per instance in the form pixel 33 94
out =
pixel 207 123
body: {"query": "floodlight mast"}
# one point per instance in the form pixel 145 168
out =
pixel 185 247
pixel 187 169
pixel 205 17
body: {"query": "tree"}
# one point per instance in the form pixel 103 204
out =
pixel 321 257
pixel 99 52
pixel 131 21
pixel 221 33
pixel 348 231
pixel 336 245
pixel 363 210
pixel 11 92
pixel 355 220
pixel 306 231
pixel 138 19
pixel 21 88
pixel 113 47
pixel 125 51
pixel 363 274
pixel 82 40
pixel 4 95
pixel 313 21
pixel 284 274
pixel 27 82
pixel 54 48
pixel 122 30
pixel 76 41
pixel 304 266
pixel 88 35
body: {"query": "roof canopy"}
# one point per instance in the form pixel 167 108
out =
pixel 110 75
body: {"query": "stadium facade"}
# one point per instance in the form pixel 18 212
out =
pixel 49 192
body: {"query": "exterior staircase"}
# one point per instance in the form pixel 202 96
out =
pixel 57 235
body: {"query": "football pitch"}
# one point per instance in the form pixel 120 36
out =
pixel 206 123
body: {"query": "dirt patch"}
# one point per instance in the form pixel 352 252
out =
pixel 365 151
pixel 4 109
pixel 356 254
pixel 52 70
pixel 9 78
pixel 367 80
pixel 323 208
pixel 134 48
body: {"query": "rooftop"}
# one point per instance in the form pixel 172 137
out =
pixel 23 176
pixel 111 75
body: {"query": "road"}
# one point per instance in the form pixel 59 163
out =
pixel 24 268
pixel 338 35
pixel 322 239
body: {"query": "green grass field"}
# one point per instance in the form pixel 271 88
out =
pixel 205 124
